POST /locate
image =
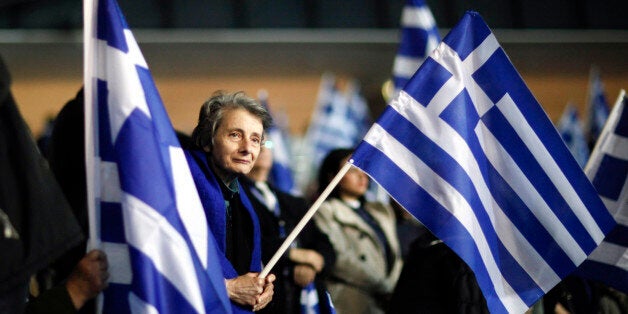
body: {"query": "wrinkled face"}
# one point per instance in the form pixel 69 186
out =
pixel 354 184
pixel 236 144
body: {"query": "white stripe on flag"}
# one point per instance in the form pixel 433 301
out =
pixel 618 149
pixel 519 123
pixel 405 66
pixel 110 182
pixel 150 233
pixel 119 262
pixel 189 203
pixel 612 254
pixel 125 91
pixel 418 17
pixel 447 196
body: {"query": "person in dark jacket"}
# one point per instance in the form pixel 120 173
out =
pixel 435 280
pixel 310 255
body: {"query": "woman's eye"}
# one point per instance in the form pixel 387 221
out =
pixel 235 135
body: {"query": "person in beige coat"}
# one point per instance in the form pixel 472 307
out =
pixel 364 237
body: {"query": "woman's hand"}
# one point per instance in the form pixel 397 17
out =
pixel 266 296
pixel 245 289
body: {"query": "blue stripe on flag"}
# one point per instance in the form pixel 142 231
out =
pixel 111 26
pixel 611 176
pixel 150 285
pixel 609 274
pixel 465 42
pixel 619 236
pixel 104 133
pixel 423 87
pixel 163 130
pixel 388 175
pixel 112 223
pixel 622 127
pixel 135 161
pixel 413 48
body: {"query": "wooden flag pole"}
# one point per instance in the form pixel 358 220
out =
pixel 306 218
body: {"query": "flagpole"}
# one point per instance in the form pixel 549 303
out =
pixel 306 218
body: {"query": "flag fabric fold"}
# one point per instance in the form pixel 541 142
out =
pixel 570 129
pixel 468 151
pixel 419 37
pixel 145 212
pixel 608 170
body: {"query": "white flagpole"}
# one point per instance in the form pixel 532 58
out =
pixel 306 218
pixel 90 8
pixel 92 175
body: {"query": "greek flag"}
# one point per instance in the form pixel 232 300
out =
pixel 470 153
pixel 145 212
pixel 570 129
pixel 597 106
pixel 608 170
pixel 332 125
pixel 419 36
pixel 281 172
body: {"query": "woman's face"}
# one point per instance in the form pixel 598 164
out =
pixel 236 143
pixel 354 184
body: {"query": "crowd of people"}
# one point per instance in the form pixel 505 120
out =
pixel 356 256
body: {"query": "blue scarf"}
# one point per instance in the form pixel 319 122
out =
pixel 213 202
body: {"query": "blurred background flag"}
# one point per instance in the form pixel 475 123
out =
pixel 419 36
pixel 608 170
pixel 597 107
pixel 281 172
pixel 329 127
pixel 468 151
pixel 570 129
pixel 145 212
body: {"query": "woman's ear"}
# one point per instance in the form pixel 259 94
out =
pixel 206 149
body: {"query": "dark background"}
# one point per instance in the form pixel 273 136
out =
pixel 517 14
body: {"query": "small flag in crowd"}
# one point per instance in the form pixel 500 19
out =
pixel 419 37
pixel 570 129
pixel 281 172
pixel 471 154
pixel 144 207
pixel 597 107
pixel 608 170
pixel 332 125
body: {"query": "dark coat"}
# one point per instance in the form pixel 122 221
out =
pixel 435 280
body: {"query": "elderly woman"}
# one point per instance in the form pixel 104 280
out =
pixel 227 141
pixel 364 237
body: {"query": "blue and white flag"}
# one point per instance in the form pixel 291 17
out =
pixel 419 37
pixel 468 151
pixel 597 107
pixel 281 172
pixel 145 212
pixel 608 170
pixel 330 126
pixel 570 129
